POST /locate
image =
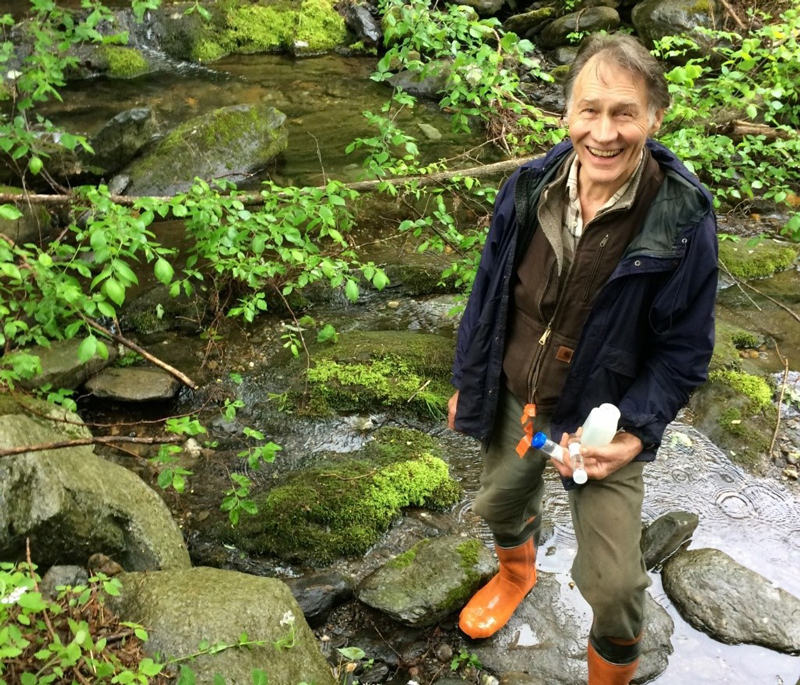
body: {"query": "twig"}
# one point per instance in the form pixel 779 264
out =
pixel 785 361
pixel 45 614
pixel 738 284
pixel 299 332
pixel 336 475
pixel 319 157
pixel 774 301
pixel 140 350
pixel 419 390
pixel 733 15
pixel 95 440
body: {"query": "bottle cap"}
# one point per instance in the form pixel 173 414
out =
pixel 579 476
pixel 538 440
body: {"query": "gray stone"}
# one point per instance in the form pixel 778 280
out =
pixel 429 85
pixel 231 142
pixel 731 603
pixel 71 503
pixel 134 385
pixel 431 132
pixel 61 367
pixel 586 4
pixel 34 226
pixel 317 594
pixel 666 535
pixel 361 22
pixel 431 580
pixel 547 636
pixel 589 21
pixel 520 678
pixel 485 8
pixel 521 24
pixel 565 54
pixel 118 184
pixel 654 19
pixel 58 576
pixel 181 608
pixel 121 138
pixel 155 311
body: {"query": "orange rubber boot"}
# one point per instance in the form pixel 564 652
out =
pixel 492 606
pixel 602 672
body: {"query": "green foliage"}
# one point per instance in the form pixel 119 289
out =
pixel 755 78
pixel 757 390
pixel 465 658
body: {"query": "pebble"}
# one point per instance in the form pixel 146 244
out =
pixel 393 304
pixel 444 653
pixel 790 472
pixel 793 457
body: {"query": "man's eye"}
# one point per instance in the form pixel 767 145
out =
pixel 588 110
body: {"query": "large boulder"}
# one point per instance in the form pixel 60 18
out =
pixel 428 84
pixel 71 503
pixel 654 19
pixel 731 603
pixel 121 138
pixel 134 385
pixel 588 21
pixel 485 8
pixel 523 24
pixel 547 636
pixel 231 142
pixel 361 22
pixel 430 581
pixel 666 535
pixel 61 367
pixel 182 608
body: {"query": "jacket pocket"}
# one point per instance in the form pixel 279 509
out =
pixel 611 376
pixel 618 360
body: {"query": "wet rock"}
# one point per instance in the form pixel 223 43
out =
pixel 731 603
pixel 118 184
pixel 363 24
pixel 317 594
pixel 428 84
pixel 155 312
pixel 431 132
pixel 485 8
pixel 586 4
pixel 376 674
pixel 667 534
pixel 547 636
pixel 654 19
pixel 180 608
pixel 520 678
pixel 430 581
pixel 71 503
pixel 58 576
pixel 589 21
pixel 231 142
pixel 565 55
pixel 61 367
pixel 524 23
pixel 34 226
pixel 101 563
pixel 134 385
pixel 120 139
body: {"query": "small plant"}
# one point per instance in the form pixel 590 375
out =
pixel 465 658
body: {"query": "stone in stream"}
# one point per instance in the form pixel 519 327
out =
pixel 71 503
pixel 229 142
pixel 430 581
pixel 731 603
pixel 319 593
pixel 361 22
pixel 134 385
pixel 431 85
pixel 183 608
pixel 587 21
pixel 667 534
pixel 485 8
pixel 61 367
pixel 121 138
pixel 547 635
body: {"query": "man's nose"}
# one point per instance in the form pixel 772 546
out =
pixel 605 131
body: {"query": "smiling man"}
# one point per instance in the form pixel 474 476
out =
pixel 596 284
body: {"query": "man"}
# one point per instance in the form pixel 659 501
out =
pixel 596 284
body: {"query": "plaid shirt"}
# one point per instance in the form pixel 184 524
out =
pixel 573 218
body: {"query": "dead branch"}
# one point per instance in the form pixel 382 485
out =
pixel 94 440
pixel 785 361
pixel 256 198
pixel 773 300
pixel 733 15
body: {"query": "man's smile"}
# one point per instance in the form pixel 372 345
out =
pixel 604 153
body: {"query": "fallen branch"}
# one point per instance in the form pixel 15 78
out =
pixel 733 15
pixel 256 198
pixel 140 350
pixel 773 300
pixel 785 361
pixel 94 440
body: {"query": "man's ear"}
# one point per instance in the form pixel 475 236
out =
pixel 657 121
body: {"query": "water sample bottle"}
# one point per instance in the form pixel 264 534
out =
pixel 599 429
pixel 552 449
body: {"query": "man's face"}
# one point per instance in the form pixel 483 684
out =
pixel 608 125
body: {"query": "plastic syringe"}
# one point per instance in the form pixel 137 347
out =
pixel 552 449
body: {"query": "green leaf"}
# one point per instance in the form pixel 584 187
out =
pixel 164 271
pixel 87 349
pixel 327 333
pixel 114 290
pixel 351 290
pixel 218 679
pixel 9 213
pixel 35 165
pixel 149 668
pixel 259 677
pixel 111 588
pixel 380 281
pixel 186 676
pixel 352 653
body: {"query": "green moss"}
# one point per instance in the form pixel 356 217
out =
pixel 405 559
pixel 560 73
pixel 123 62
pixel 760 261
pixel 388 368
pixel 321 26
pixel 755 388
pixel 468 551
pixel 342 508
pixel 208 50
pixel 729 339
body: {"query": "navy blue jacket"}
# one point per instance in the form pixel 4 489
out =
pixel 649 337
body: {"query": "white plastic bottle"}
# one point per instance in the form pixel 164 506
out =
pixel 599 429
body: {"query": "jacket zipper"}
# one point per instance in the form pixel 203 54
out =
pixel 595 267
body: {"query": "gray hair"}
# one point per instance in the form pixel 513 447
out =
pixel 628 53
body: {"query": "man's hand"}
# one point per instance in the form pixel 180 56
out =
pixel 602 461
pixel 452 404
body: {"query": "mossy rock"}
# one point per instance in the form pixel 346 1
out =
pixel 759 261
pixel 729 339
pixel 736 412
pixel 368 370
pixel 121 62
pixel 308 27
pixel 342 506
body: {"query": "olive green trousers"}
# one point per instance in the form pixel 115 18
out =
pixel 608 569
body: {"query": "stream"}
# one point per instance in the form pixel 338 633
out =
pixel 754 520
